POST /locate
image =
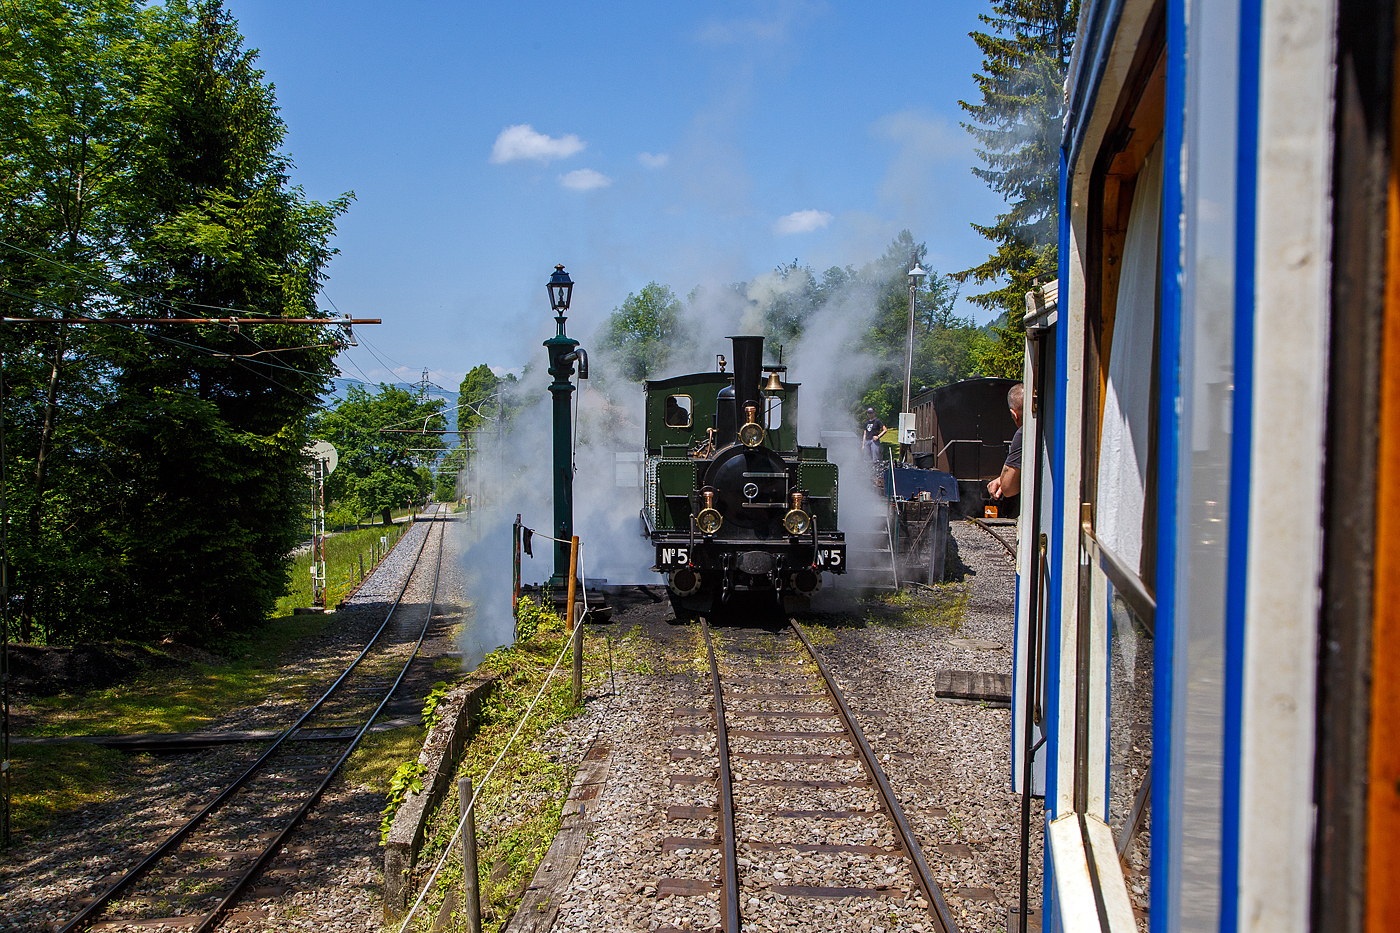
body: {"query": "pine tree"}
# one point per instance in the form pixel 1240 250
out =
pixel 1017 127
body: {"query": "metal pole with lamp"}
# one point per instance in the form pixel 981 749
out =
pixel 906 417
pixel 564 351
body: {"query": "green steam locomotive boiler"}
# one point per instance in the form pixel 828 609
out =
pixel 734 503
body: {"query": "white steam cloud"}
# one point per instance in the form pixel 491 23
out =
pixel 801 222
pixel 653 161
pixel 584 179
pixel 522 141
pixel 510 472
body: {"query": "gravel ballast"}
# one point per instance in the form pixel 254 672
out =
pixel 948 761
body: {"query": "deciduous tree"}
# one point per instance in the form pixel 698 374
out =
pixel 639 335
pixel 157 470
pixel 380 470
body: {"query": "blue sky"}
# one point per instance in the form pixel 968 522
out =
pixel 682 143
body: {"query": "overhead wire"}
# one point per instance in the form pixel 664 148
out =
pixel 176 341
pixel 169 303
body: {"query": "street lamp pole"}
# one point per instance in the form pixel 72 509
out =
pixel 564 351
pixel 916 276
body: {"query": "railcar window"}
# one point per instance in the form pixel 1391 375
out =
pixel 678 408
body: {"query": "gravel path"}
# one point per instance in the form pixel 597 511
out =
pixel 948 761
pixel 333 859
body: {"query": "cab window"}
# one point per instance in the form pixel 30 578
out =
pixel 677 411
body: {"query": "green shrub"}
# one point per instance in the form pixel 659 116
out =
pixel 535 619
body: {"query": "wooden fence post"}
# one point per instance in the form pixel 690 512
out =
pixel 471 879
pixel 573 621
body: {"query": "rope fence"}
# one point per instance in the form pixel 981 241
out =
pixel 574 642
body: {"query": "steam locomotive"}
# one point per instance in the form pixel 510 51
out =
pixel 734 502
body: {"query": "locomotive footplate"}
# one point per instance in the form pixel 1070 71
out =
pixel 750 556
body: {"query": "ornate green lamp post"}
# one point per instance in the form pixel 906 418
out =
pixel 564 351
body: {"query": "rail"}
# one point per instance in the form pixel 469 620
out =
pixel 942 916
pixel 726 796
pixel 89 912
pixel 907 841
pixel 988 529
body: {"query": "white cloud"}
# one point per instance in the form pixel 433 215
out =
pixel 584 179
pixel 522 142
pixel 653 161
pixel 801 222
pixel 775 29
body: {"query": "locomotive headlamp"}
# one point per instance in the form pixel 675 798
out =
pixel 751 434
pixel 796 522
pixel 709 520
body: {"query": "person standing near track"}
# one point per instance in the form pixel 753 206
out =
pixel 870 435
pixel 1009 482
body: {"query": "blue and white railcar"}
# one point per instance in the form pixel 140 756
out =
pixel 1208 645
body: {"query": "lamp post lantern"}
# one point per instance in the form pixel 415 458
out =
pixel 916 276
pixel 564 351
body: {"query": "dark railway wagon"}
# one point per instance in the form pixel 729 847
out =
pixel 965 429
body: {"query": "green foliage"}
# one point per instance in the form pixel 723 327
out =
pixel 155 472
pixel 1000 351
pixel 639 335
pixel 378 470
pixel 408 779
pixel 534 620
pixel 431 713
pixel 1017 127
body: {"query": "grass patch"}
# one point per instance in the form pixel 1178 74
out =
pixel 943 606
pixel 518 812
pixel 373 763
pixel 47 780
pixel 820 634
pixel 344 552
pixel 188 699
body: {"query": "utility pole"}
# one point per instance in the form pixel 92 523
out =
pixel 906 417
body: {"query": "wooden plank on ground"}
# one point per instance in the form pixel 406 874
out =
pixel 540 905
pixel 994 689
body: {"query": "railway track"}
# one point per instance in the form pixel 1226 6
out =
pixel 193 878
pixel 999 539
pixel 804 812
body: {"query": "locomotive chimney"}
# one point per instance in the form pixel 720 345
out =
pixel 748 369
